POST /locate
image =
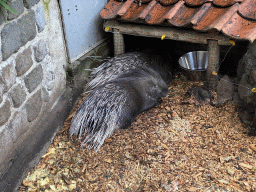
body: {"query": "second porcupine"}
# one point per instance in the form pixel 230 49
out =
pixel 126 62
pixel 116 104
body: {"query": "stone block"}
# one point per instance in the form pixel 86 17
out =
pixel 24 61
pixel 244 89
pixel 1 19
pixel 30 3
pixel 225 89
pixel 50 83
pixel 8 75
pixel 5 112
pixel 253 75
pixel 49 74
pixel 18 95
pixel 18 124
pixel 27 25
pixel 18 6
pixel 40 18
pixel 40 50
pixel 252 48
pixel 34 78
pixel 33 106
pixel 16 34
pixel 10 39
pixel 45 95
pixel 2 88
pixel 7 150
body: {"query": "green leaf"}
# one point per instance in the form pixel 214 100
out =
pixel 6 6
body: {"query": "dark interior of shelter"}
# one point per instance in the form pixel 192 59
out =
pixel 173 50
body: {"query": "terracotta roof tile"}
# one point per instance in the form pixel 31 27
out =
pixel 196 2
pixel 157 14
pixel 235 18
pixel 225 3
pixel 168 2
pixel 240 28
pixel 214 17
pixel 248 9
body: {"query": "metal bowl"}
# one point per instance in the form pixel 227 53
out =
pixel 194 61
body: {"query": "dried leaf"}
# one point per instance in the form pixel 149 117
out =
pixel 164 146
pixel 50 151
pixel 246 166
pixel 192 189
pixel 230 171
pixel 253 147
pixel 223 181
pixel 108 160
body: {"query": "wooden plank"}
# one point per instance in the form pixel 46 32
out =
pixel 169 32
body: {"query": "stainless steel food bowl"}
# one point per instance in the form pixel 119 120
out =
pixel 194 61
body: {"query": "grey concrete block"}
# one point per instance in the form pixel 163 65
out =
pixel 34 78
pixel 5 112
pixel 18 6
pixel 7 150
pixel 18 124
pixel 8 75
pixel 10 38
pixel 27 25
pixel 30 3
pixel 33 106
pixel 40 18
pixel 24 61
pixel 40 50
pixel 18 95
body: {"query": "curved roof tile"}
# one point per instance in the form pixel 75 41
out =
pixel 168 2
pixel 248 9
pixel 215 18
pixel 235 18
pixel 225 3
pixel 196 2
pixel 240 28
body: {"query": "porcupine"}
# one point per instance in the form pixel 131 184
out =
pixel 116 104
pixel 124 63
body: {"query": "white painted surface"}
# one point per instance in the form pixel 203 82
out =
pixel 83 25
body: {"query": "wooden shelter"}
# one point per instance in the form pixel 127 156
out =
pixel 211 22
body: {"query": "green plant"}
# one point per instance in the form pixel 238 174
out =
pixel 4 6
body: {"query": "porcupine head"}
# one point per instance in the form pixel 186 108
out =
pixel 116 104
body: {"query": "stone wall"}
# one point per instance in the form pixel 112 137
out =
pixel 32 73
pixel 246 72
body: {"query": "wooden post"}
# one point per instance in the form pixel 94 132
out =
pixel 213 63
pixel 118 42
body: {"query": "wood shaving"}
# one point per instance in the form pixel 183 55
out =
pixel 172 147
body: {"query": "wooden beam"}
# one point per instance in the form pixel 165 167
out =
pixel 213 63
pixel 169 32
pixel 119 46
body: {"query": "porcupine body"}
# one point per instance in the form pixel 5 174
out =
pixel 116 104
pixel 126 62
